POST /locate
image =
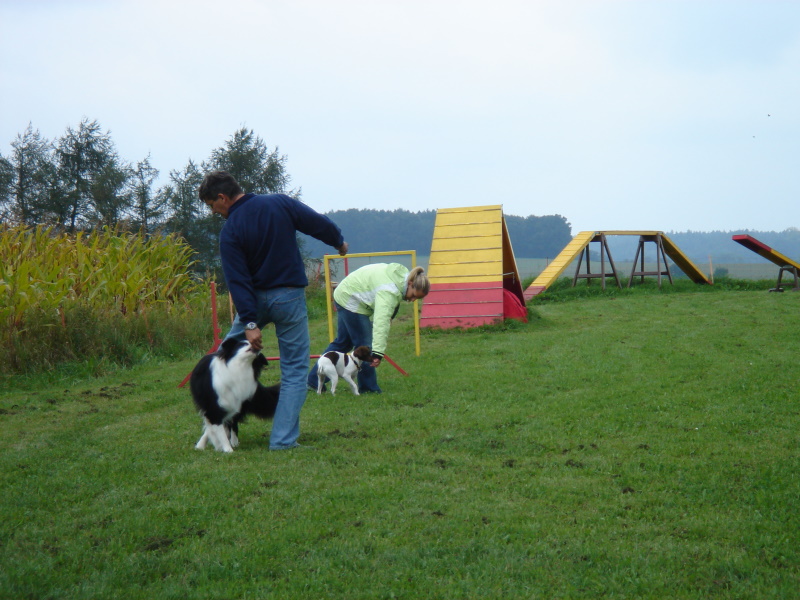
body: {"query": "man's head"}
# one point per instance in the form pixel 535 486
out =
pixel 219 190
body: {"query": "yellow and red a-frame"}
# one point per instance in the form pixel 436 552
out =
pixel 472 270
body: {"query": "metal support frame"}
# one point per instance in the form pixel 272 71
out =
pixel 779 286
pixel 604 252
pixel 660 255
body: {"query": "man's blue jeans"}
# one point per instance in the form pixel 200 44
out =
pixel 286 308
pixel 353 330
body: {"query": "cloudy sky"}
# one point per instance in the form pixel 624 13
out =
pixel 672 115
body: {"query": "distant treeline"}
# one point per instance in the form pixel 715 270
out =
pixel 369 230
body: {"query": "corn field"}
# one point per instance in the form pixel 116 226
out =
pixel 53 282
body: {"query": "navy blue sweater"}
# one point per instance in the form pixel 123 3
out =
pixel 259 249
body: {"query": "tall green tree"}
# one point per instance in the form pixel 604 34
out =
pixel 257 169
pixel 110 193
pixel 181 196
pixel 6 179
pixel 82 155
pixel 190 218
pixel 32 177
pixel 148 208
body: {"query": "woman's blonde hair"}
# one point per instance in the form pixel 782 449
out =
pixel 419 281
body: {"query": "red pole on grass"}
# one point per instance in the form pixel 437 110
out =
pixel 214 328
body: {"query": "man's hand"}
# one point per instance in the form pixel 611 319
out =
pixel 376 362
pixel 254 337
pixel 342 249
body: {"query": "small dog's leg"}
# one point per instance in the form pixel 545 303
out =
pixel 334 377
pixel 352 383
pixel 320 379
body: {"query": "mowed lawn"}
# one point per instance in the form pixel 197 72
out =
pixel 630 446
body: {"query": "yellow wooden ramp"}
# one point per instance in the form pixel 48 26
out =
pixel 683 262
pixel 765 251
pixel 554 270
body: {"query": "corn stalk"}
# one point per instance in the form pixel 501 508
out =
pixel 43 272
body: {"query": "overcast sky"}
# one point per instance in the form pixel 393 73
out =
pixel 667 114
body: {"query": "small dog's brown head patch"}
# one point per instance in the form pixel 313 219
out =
pixel 362 353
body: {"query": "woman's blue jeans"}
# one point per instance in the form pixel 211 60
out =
pixel 286 308
pixel 353 330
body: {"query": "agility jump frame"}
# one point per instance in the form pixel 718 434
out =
pixel 329 293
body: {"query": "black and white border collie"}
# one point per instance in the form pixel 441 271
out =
pixel 225 389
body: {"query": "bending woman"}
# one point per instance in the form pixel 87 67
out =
pixel 366 302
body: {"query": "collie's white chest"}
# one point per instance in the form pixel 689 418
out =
pixel 233 382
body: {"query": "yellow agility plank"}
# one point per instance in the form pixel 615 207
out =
pixel 631 232
pixel 683 262
pixel 765 251
pixel 554 270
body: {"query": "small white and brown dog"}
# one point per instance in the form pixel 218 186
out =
pixel 338 364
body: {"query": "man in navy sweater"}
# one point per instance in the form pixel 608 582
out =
pixel 267 278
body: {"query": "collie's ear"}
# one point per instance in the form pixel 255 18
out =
pixel 227 344
pixel 228 348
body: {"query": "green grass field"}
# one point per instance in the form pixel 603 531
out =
pixel 634 445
